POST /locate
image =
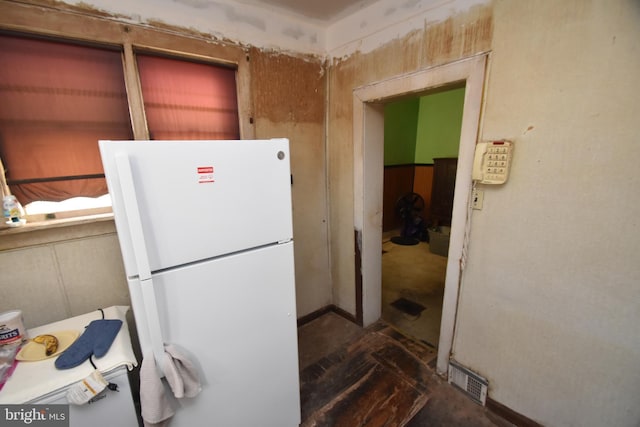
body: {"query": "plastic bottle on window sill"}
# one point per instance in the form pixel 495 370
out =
pixel 13 211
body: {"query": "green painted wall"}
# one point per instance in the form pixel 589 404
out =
pixel 420 129
pixel 400 131
pixel 439 124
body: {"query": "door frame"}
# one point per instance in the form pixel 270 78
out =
pixel 368 141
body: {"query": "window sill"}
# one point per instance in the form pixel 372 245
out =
pixel 35 233
pixel 54 223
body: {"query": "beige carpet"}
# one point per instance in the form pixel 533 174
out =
pixel 416 274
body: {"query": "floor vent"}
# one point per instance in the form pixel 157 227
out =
pixel 469 382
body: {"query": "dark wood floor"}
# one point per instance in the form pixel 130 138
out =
pixel 383 378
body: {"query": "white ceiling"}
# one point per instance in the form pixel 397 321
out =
pixel 326 11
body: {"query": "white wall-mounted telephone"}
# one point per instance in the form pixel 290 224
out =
pixel 492 162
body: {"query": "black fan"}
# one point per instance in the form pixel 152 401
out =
pixel 408 208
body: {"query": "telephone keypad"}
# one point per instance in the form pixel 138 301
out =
pixel 497 163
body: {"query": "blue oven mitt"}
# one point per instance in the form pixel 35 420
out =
pixel 96 340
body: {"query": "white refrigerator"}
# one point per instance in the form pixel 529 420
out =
pixel 205 230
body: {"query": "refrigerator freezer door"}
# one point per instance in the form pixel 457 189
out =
pixel 236 317
pixel 201 199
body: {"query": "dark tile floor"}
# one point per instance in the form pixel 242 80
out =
pixel 377 376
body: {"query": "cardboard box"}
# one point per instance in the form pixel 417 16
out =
pixel 439 240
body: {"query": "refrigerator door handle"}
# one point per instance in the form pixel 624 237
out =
pixel 132 213
pixel 130 203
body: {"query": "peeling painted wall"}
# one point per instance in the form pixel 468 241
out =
pixel 268 27
pixel 387 20
pixel 235 21
pixel 289 100
pixel 399 56
pixel 288 88
pixel 549 302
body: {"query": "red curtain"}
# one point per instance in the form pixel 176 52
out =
pixel 188 100
pixel 56 101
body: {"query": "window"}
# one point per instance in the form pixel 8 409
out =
pixel 56 101
pixel 188 100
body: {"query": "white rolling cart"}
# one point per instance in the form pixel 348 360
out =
pixel 39 382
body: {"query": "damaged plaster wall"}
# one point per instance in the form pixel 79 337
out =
pixel 271 27
pixel 247 24
pixel 386 20
pixel 461 35
pixel 289 98
pixel 549 301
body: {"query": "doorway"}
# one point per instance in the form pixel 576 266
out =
pixel 421 144
pixel 368 182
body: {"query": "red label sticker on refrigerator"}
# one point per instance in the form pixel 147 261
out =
pixel 205 174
